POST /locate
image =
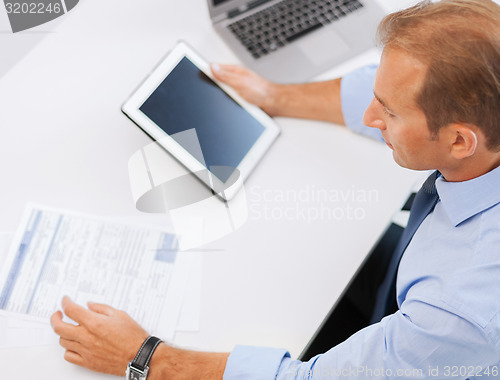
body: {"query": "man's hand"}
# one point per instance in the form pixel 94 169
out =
pixel 316 100
pixel 250 86
pixel 105 339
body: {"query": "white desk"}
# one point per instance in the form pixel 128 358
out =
pixel 65 143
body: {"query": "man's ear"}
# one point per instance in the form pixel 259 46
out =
pixel 463 140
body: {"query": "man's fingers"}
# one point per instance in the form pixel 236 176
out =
pixel 76 312
pixel 74 358
pixel 70 345
pixel 216 70
pixel 63 329
pixel 227 69
pixel 229 73
pixel 101 308
pixel 56 317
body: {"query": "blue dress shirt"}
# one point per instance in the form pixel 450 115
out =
pixel 448 291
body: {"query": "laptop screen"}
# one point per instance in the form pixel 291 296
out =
pixel 217 2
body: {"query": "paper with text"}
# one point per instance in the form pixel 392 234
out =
pixel 132 268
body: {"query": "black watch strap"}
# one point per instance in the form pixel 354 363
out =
pixel 141 360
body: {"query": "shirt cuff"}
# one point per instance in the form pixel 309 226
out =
pixel 252 363
pixel 356 91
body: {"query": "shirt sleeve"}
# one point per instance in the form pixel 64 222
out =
pixel 252 363
pixel 356 92
pixel 429 344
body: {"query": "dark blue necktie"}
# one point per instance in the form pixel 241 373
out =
pixel 424 203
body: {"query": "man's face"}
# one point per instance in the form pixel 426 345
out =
pixel 395 112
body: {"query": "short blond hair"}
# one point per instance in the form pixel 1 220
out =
pixel 459 42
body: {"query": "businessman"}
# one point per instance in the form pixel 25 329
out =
pixel 435 100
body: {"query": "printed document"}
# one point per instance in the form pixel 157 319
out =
pixel 132 268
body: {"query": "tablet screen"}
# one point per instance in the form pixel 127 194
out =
pixel 203 119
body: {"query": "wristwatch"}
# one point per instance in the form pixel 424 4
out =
pixel 138 368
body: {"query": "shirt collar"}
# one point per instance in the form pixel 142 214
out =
pixel 463 200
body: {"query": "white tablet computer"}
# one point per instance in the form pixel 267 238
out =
pixel 211 130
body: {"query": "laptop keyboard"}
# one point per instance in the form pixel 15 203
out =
pixel 276 26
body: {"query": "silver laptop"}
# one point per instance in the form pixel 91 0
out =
pixel 294 40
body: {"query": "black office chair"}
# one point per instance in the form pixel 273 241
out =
pixel 353 310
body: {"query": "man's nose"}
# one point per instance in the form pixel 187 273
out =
pixel 372 117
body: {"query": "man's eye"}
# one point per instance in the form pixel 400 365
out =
pixel 388 113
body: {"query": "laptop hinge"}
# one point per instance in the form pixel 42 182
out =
pixel 253 4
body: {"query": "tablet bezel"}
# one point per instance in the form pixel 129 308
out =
pixel 131 108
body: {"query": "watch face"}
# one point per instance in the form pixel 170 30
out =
pixel 132 374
